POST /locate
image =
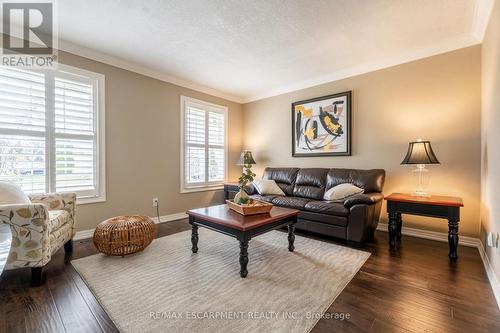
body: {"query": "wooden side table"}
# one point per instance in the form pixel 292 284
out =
pixel 433 206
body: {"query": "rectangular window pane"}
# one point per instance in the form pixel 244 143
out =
pixel 22 161
pixel 74 107
pixel 22 100
pixel 195 126
pixel 215 164
pixel 75 165
pixel 195 165
pixel 28 143
pixel 216 128
pixel 204 126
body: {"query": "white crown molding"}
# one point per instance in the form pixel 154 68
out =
pixel 482 13
pixel 133 67
pixel 85 234
pixel 463 240
pixel 439 48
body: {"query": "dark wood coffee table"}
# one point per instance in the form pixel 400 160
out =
pixel 221 219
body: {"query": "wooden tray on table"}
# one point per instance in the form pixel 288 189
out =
pixel 252 208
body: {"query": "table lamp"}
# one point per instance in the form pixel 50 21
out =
pixel 420 153
pixel 246 160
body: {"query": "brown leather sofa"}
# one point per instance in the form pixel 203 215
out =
pixel 354 220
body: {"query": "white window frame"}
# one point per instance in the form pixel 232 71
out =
pixel 206 186
pixel 99 129
pixel 99 195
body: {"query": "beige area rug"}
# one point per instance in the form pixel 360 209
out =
pixel 166 288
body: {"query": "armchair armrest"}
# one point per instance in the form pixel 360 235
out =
pixel 30 236
pixel 365 198
pixel 64 201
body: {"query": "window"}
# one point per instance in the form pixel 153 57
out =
pixel 52 131
pixel 204 145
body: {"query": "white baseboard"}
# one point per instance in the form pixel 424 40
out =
pixel 463 240
pixel 495 284
pixel 84 234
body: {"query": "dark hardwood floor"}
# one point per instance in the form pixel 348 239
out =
pixel 414 289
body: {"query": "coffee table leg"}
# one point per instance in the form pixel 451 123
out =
pixel 243 258
pixel 194 238
pixel 291 237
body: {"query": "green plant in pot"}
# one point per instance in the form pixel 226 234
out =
pixel 246 160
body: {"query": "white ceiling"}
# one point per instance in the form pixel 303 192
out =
pixel 246 50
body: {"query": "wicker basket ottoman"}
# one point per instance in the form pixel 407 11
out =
pixel 122 235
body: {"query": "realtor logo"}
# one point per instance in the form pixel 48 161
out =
pixel 28 34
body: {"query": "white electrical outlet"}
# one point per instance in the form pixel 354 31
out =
pixel 156 202
pixel 489 239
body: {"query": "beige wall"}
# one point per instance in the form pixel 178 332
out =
pixel 143 145
pixel 490 209
pixel 437 98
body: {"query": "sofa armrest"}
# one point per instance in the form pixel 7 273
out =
pixel 365 198
pixel 250 189
pixel 30 235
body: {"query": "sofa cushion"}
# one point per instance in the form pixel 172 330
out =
pixel 369 180
pixel 290 202
pixel 342 192
pixel 323 218
pixel 330 208
pixel 59 237
pixel 57 218
pixel 284 177
pixel 11 193
pixel 267 187
pixel 266 198
pixel 310 183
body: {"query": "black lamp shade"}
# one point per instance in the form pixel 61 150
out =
pixel 246 158
pixel 420 152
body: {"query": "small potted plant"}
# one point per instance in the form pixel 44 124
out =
pixel 246 177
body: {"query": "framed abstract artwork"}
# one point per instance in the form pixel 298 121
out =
pixel 322 126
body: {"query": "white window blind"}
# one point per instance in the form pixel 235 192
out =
pixel 23 128
pixel 204 144
pixel 51 131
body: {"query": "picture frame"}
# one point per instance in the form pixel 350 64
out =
pixel 321 126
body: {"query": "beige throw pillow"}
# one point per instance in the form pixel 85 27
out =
pixel 267 187
pixel 11 193
pixel 342 192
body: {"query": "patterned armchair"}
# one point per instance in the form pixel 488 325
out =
pixel 39 229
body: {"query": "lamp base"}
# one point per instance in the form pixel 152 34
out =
pixel 422 177
pixel 421 193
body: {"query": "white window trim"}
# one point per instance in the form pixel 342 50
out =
pixel 184 188
pixel 99 107
pixel 100 124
